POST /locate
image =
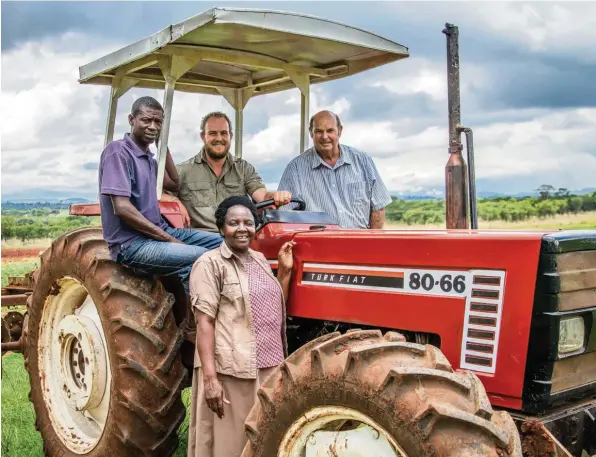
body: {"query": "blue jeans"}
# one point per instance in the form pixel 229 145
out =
pixel 164 258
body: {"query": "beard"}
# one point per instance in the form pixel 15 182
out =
pixel 217 155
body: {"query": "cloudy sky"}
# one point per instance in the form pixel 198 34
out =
pixel 528 77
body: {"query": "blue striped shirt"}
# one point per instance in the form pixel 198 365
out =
pixel 348 192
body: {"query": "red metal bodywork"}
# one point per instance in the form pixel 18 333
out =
pixel 514 252
pixel 169 210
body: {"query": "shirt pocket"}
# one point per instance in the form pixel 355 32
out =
pixel 231 289
pixel 357 193
pixel 200 193
pixel 233 187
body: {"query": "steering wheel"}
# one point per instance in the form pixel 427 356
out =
pixel 301 204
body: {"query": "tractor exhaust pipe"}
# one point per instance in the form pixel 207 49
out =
pixel 459 177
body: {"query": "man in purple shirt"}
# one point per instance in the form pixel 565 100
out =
pixel 137 236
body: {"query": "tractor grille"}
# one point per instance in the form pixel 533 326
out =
pixel 483 319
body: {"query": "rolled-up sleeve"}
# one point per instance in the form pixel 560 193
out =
pixel 252 180
pixel 115 175
pixel 205 287
pixel 380 196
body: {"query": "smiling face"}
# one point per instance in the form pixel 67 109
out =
pixel 146 125
pixel 239 228
pixel 325 133
pixel 217 137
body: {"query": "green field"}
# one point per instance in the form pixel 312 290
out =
pixel 16 269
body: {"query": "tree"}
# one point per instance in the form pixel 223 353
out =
pixel 545 191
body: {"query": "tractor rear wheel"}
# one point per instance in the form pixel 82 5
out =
pixel 102 353
pixel 362 393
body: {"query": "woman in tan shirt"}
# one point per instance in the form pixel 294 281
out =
pixel 239 308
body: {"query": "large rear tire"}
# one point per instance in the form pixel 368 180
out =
pixel 102 353
pixel 404 391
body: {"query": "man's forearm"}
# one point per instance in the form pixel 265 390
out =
pixel 377 219
pixel 129 214
pixel 171 178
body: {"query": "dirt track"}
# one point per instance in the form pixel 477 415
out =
pixel 20 254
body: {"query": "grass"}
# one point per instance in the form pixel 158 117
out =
pixel 19 437
pixel 15 243
pixel 17 269
pixel 580 221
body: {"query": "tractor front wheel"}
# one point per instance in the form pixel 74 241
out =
pixel 102 353
pixel 362 393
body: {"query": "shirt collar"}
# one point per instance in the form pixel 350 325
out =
pixel 134 147
pixel 344 158
pixel 227 253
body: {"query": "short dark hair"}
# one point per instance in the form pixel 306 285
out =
pixel 224 206
pixel 215 114
pixel 312 119
pixel 147 102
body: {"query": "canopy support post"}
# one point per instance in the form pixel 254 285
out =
pixel 120 85
pixel 172 68
pixel 238 121
pixel 302 81
pixel 237 98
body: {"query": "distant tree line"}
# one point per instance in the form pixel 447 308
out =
pixel 24 206
pixel 547 204
pixel 34 221
pixel 29 226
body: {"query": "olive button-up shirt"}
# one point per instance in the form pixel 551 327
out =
pixel 201 190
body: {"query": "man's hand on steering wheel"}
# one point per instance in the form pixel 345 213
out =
pixel 267 203
pixel 281 198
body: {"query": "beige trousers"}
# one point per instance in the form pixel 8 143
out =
pixel 209 436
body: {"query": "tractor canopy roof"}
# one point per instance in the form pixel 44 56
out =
pixel 261 51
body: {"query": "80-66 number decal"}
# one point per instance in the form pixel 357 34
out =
pixel 446 282
pixel 436 282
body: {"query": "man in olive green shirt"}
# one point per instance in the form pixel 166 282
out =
pixel 214 174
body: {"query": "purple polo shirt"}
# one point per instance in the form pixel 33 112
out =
pixel 128 171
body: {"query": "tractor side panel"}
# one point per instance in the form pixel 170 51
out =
pixel 474 290
pixel 169 210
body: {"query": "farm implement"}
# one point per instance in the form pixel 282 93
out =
pixel 454 342
pixel 14 298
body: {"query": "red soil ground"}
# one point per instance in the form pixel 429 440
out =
pixel 19 254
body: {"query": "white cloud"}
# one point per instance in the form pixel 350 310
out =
pixel 565 28
pixel 52 126
pixel 281 138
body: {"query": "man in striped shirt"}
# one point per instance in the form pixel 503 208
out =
pixel 336 179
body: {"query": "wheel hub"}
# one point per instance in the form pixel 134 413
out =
pixel 74 366
pixel 82 362
pixel 308 437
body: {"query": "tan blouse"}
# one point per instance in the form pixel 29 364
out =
pixel 219 288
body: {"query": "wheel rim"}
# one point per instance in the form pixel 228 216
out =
pixel 74 366
pixel 307 434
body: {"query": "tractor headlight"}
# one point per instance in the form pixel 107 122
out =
pixel 572 332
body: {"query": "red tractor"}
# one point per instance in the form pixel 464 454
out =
pixel 455 342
